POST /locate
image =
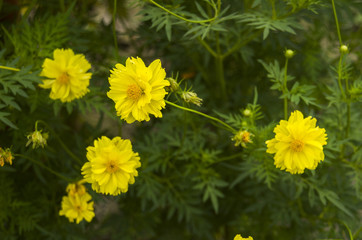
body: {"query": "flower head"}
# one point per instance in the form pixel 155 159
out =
pixel 6 156
pixel 38 139
pixel 242 138
pixel 67 75
pixel 239 237
pixel 76 188
pixel 138 90
pixel 77 207
pixel 111 165
pixel 298 144
pixel 191 97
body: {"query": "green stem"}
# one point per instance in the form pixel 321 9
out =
pixel 337 24
pixel 241 43
pixel 348 119
pixel 340 76
pixel 285 90
pixel 219 62
pixel 45 167
pixel 273 9
pixel 185 19
pixel 208 48
pixel 231 129
pixel 226 158
pixel 10 68
pixel 114 29
pixel 61 142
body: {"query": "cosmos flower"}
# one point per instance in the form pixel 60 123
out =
pixel 298 144
pixel 111 165
pixel 67 75
pixel 77 207
pixel 137 90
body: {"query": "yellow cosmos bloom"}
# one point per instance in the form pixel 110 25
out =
pixel 239 237
pixel 298 144
pixel 77 208
pixel 138 90
pixel 112 165
pixel 76 188
pixel 67 73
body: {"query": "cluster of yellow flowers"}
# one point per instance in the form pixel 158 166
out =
pixel 76 205
pixel 139 91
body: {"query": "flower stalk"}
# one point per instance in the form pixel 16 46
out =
pixel 228 127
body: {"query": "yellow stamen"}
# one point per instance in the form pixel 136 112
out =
pixel 64 78
pixel 297 145
pixel 134 92
pixel 112 166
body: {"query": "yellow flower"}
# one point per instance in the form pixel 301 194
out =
pixel 6 156
pixel 112 165
pixel 242 138
pixel 138 90
pixel 77 208
pixel 239 237
pixel 298 144
pixel 67 73
pixel 76 188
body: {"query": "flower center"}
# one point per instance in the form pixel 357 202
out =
pixel 112 166
pixel 297 145
pixel 246 137
pixel 134 92
pixel 64 78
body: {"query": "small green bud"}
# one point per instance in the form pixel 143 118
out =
pixel 343 49
pixel 246 112
pixel 174 86
pixel 38 139
pixel 289 53
pixel 191 97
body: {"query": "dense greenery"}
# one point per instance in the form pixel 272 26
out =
pixel 193 182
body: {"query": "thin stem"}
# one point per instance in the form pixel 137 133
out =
pixel 348 119
pixel 241 43
pixel 273 9
pixel 285 90
pixel 208 48
pixel 10 68
pixel 231 129
pixel 45 167
pixel 226 158
pixel 340 76
pixel 185 19
pixel 70 153
pixel 219 61
pixel 337 24
pixel 114 29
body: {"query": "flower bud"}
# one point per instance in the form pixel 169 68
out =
pixel 343 49
pixel 242 138
pixel 174 86
pixel 6 156
pixel 289 53
pixel 38 139
pixel 247 112
pixel 191 97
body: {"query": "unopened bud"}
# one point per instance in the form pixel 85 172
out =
pixel 247 112
pixel 343 49
pixel 289 53
pixel 38 139
pixel 6 156
pixel 191 97
pixel 242 138
pixel 174 86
